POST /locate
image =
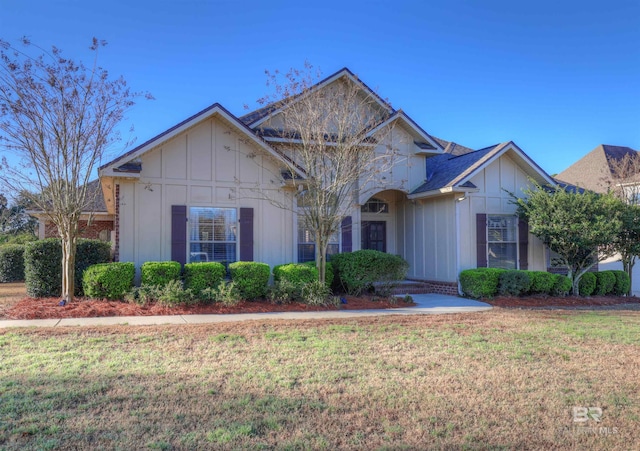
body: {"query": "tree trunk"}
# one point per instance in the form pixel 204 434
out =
pixel 321 259
pixel 627 265
pixel 68 266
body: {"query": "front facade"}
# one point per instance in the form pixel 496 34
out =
pixel 189 194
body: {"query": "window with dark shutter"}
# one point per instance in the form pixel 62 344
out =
pixel 179 233
pixel 246 234
pixel 481 240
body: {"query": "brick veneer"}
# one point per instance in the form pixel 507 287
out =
pixel 91 231
pixel 428 286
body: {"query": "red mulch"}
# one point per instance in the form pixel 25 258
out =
pixel 568 301
pixel 46 308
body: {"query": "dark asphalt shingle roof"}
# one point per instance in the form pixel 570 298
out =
pixel 443 170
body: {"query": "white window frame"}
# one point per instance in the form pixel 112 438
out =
pixel 513 242
pixel 232 229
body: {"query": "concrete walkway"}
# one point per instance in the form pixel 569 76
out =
pixel 426 304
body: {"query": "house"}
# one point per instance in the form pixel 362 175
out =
pixel 95 222
pixel 598 171
pixel 183 195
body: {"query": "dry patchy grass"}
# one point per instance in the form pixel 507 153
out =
pixel 505 379
pixel 10 294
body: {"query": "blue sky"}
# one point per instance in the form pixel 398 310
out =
pixel 556 77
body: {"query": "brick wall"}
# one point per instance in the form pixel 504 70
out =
pixel 427 286
pixel 91 231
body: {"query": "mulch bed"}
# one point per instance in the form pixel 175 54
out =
pixel 47 308
pixel 568 301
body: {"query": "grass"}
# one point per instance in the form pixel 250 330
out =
pixel 10 293
pixel 505 379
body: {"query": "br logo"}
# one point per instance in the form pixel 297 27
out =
pixel 584 414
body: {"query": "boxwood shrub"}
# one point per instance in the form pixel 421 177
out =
pixel 480 282
pixel 200 276
pixel 561 285
pixel 11 263
pixel 329 272
pixel 623 283
pixel 514 282
pixel 295 273
pixel 250 278
pixel 159 273
pixel 605 283
pixel 108 280
pixel 43 264
pixel 357 272
pixel 587 284
pixel 541 282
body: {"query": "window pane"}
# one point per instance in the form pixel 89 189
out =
pixel 212 234
pixel 503 255
pixel 306 253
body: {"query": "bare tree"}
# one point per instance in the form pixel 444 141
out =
pixel 335 141
pixel 625 184
pixel 58 118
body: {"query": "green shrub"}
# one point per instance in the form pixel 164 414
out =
pixel 316 293
pixel 561 285
pixel 250 278
pixel 283 292
pixel 43 264
pixel 296 273
pixel 605 282
pixel 541 282
pixel 329 272
pixel 108 280
pixel 11 263
pixel 356 272
pixel 623 283
pixel 480 282
pixel 200 276
pixel 587 284
pixel 42 268
pixel 514 282
pixel 19 238
pixel 173 293
pixel 225 293
pixel 89 252
pixel 159 273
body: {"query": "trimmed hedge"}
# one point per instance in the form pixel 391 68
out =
pixel 514 283
pixel 11 263
pixel 541 282
pixel 295 273
pixel 562 285
pixel 43 268
pixel 108 280
pixel 200 276
pixel 250 278
pixel 480 282
pixel 623 282
pixel 43 264
pixel 329 272
pixel 159 273
pixel 605 283
pixel 587 284
pixel 356 272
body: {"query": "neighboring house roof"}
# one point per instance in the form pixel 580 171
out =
pixel 449 172
pixel 95 200
pixel 594 171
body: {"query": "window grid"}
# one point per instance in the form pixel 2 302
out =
pixel 502 241
pixel 213 234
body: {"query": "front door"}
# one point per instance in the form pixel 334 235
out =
pixel 374 235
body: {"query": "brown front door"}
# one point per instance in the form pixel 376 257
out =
pixel 374 235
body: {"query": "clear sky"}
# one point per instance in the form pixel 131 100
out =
pixel 556 77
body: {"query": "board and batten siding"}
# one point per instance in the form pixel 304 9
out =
pixel 208 165
pixel 494 184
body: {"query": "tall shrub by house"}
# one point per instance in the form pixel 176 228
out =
pixel 108 280
pixel 250 278
pixel 11 263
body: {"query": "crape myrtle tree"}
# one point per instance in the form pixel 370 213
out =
pixel 57 118
pixel 625 185
pixel 335 141
pixel 580 226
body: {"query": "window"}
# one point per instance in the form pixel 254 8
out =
pixel 502 241
pixel 213 234
pixel 375 205
pixel 307 246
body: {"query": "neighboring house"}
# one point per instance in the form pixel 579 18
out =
pixel 96 223
pixel 185 195
pixel 596 172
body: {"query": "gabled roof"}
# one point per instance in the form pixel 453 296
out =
pixel 594 171
pixel 452 147
pixel 125 164
pixel 449 172
pixel 257 117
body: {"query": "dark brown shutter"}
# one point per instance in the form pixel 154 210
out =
pixel 347 235
pixel 481 240
pixel 246 234
pixel 523 244
pixel 179 233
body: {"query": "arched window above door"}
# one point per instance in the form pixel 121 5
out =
pixel 375 205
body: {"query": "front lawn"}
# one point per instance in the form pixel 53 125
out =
pixel 505 379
